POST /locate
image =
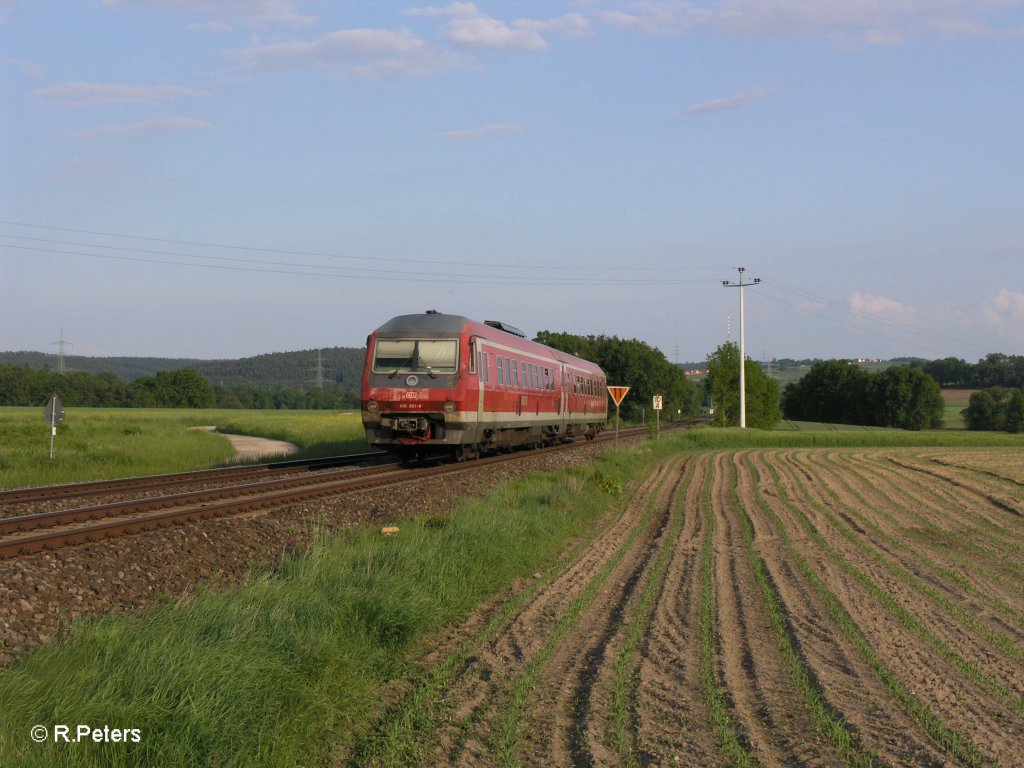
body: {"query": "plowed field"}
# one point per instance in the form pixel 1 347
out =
pixel 769 607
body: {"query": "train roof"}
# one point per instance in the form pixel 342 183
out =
pixel 428 322
pixel 440 325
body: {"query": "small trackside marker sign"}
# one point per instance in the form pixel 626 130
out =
pixel 618 393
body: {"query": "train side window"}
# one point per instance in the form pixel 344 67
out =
pixel 522 375
pixel 501 370
pixel 508 373
pixel 515 374
pixel 487 370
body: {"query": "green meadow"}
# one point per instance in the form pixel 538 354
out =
pixel 101 443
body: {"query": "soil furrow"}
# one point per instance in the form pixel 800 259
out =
pixel 781 729
pixel 847 680
pixel 908 578
pixel 469 736
pixel 673 724
pixel 955 702
pixel 922 511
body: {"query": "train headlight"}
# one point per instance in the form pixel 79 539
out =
pixel 449 406
pixel 372 406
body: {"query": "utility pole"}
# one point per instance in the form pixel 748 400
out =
pixel 743 377
pixel 319 379
pixel 61 344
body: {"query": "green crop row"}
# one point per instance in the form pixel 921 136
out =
pixel 949 738
pixel 827 719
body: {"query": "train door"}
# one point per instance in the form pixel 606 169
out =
pixel 481 377
pixel 564 403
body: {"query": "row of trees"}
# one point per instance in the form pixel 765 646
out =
pixel 839 392
pixel 635 364
pixel 996 409
pixel 185 388
pixel 994 370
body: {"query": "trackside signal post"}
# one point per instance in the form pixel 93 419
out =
pixel 658 402
pixel 618 394
pixel 54 415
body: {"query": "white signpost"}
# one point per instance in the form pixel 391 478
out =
pixel 657 414
pixel 54 415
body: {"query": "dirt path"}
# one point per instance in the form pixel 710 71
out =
pixel 249 448
pixel 746 608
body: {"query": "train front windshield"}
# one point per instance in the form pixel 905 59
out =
pixel 432 356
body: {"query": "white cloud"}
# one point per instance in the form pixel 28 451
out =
pixel 1004 312
pixel 859 22
pixel 468 26
pixel 730 102
pixel 355 52
pixel 160 124
pixel 882 308
pixel 253 13
pixel 28 67
pixel 652 18
pixel 82 94
pixel 489 131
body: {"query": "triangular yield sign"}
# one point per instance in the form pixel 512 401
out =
pixel 618 393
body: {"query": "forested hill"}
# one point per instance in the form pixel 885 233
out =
pixel 342 367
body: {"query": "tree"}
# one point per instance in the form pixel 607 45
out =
pixel 949 372
pixel 1015 412
pixel 995 409
pixel 905 397
pixel 981 410
pixel 723 382
pixel 832 392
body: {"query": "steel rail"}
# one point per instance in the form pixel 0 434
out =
pixel 117 485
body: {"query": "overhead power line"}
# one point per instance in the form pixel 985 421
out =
pixel 355 274
pixel 287 252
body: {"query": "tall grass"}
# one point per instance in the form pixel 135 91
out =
pixel 316 433
pixel 100 443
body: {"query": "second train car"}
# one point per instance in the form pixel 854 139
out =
pixel 444 384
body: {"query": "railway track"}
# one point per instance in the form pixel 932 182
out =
pixel 247 490
pixel 161 482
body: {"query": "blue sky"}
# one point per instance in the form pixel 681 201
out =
pixel 223 178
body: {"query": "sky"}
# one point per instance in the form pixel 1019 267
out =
pixel 226 178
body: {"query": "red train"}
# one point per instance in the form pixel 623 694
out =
pixel 443 384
